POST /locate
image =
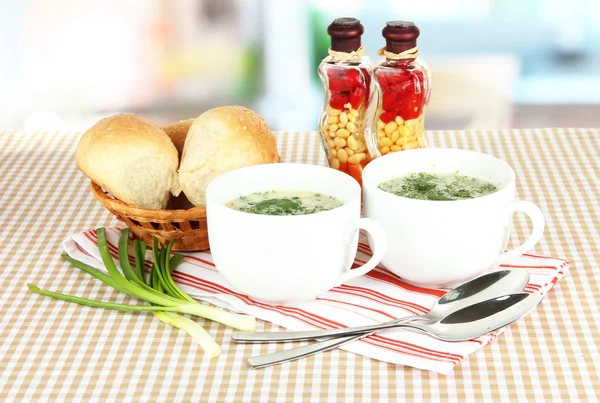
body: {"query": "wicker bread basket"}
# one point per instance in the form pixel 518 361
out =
pixel 186 227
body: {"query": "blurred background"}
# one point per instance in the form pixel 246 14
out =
pixel 496 63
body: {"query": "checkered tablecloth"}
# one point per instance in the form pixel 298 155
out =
pixel 50 350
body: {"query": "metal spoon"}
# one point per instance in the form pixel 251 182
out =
pixel 480 289
pixel 464 324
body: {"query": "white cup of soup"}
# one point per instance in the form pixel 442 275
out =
pixel 447 213
pixel 285 233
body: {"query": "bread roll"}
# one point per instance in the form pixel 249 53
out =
pixel 134 160
pixel 177 132
pixel 220 140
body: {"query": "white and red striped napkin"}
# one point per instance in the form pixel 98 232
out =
pixel 376 297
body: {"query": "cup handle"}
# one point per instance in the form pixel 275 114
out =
pixel 379 240
pixel 537 219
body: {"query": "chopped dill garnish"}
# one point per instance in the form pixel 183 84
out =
pixel 425 186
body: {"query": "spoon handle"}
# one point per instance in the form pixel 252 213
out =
pixel 316 334
pixel 279 357
pixel 267 360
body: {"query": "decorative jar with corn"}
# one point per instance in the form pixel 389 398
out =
pixel 405 83
pixel 351 100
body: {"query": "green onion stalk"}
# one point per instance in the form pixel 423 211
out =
pixel 164 297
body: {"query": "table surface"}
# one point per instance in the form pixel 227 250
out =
pixel 51 350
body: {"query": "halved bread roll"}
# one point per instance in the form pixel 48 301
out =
pixel 220 140
pixel 131 158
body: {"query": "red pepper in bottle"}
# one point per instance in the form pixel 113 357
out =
pixel 405 83
pixel 351 100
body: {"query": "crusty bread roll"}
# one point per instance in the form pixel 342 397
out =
pixel 177 132
pixel 131 158
pixel 220 140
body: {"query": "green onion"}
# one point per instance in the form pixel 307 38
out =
pixel 100 304
pixel 139 250
pixel 164 297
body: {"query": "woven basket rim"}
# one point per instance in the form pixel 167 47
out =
pixel 126 209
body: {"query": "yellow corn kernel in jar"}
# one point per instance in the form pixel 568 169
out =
pixel 352 118
pixel 333 152
pixel 385 141
pixel 359 146
pixel 390 127
pixel 333 127
pixel 395 136
pixel 356 158
pixel 339 142
pixel 380 134
pixel 403 130
pixel 343 133
pixel 401 141
pixel 353 112
pixel 342 155
pixel 395 148
pixel 385 150
pixel 410 145
pixel 333 119
pixel 351 127
pixel 344 118
pixel 349 151
pixel 330 143
pixel 352 142
pixel 335 163
pixel 380 125
pixel 399 121
pixel 411 123
pixel 333 112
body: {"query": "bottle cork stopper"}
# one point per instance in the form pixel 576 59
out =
pixel 345 34
pixel 400 36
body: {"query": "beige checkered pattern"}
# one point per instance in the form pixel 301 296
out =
pixel 55 351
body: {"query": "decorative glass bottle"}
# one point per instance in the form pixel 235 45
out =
pixel 405 83
pixel 351 100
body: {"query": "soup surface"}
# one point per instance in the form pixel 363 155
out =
pixel 284 202
pixel 426 186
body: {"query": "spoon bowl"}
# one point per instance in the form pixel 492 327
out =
pixel 481 318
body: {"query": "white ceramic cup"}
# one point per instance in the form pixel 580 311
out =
pixel 288 259
pixel 444 243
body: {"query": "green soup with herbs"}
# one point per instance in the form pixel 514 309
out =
pixel 426 186
pixel 284 202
